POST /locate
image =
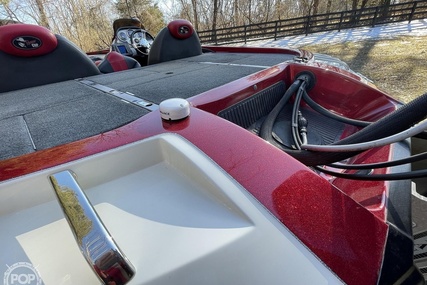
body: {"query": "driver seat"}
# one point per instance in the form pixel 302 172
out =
pixel 177 40
pixel 32 55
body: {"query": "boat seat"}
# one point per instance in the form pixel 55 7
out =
pixel 177 40
pixel 115 61
pixel 32 55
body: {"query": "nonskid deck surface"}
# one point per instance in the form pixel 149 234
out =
pixel 45 116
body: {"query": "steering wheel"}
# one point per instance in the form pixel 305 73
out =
pixel 141 44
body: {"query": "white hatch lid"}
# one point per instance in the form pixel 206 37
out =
pixel 177 216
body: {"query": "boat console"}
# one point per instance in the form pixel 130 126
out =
pixel 131 41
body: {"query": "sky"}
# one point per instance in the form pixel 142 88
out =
pixel 415 28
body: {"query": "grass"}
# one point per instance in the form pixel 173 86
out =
pixel 397 66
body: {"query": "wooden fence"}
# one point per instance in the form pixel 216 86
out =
pixel 371 16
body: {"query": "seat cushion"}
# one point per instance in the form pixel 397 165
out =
pixel 26 40
pixel 177 40
pixel 32 56
pixel 115 61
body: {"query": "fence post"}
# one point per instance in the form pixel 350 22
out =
pixel 214 37
pixel 275 30
pixel 353 18
pixel 245 33
pixel 307 27
pixel 414 7
pixel 341 18
pixel 374 20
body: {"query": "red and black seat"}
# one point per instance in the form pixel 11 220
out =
pixel 31 55
pixel 177 40
pixel 115 61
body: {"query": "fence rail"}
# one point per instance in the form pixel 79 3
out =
pixel 370 16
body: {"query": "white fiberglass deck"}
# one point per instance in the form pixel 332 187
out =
pixel 177 216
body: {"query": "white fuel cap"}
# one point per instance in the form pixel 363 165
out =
pixel 174 109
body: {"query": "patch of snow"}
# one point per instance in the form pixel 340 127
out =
pixel 388 31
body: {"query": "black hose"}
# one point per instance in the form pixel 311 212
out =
pixel 267 126
pixel 331 115
pixel 354 122
pixel 295 115
pixel 377 177
pixel 395 122
pixel 398 162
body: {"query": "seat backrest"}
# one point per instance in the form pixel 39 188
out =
pixel 31 55
pixel 114 61
pixel 177 40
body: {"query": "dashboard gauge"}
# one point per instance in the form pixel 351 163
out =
pixel 123 36
pixel 138 36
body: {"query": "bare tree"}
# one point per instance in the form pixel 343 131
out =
pixel 328 6
pixel 195 14
pixel 315 7
pixel 83 22
pixel 148 12
pixel 88 23
pixel 7 13
pixel 43 18
pixel 215 14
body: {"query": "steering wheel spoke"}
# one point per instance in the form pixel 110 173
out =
pixel 141 41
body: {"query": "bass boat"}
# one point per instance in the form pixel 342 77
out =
pixel 162 161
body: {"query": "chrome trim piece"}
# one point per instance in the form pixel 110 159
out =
pixel 95 242
pixel 125 96
pixel 235 64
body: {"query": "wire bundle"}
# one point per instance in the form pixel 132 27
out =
pixel 396 126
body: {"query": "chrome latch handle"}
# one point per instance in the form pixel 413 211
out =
pixel 95 242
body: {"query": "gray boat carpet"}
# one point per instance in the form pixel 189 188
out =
pixel 54 114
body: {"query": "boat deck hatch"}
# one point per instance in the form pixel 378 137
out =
pixel 172 211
